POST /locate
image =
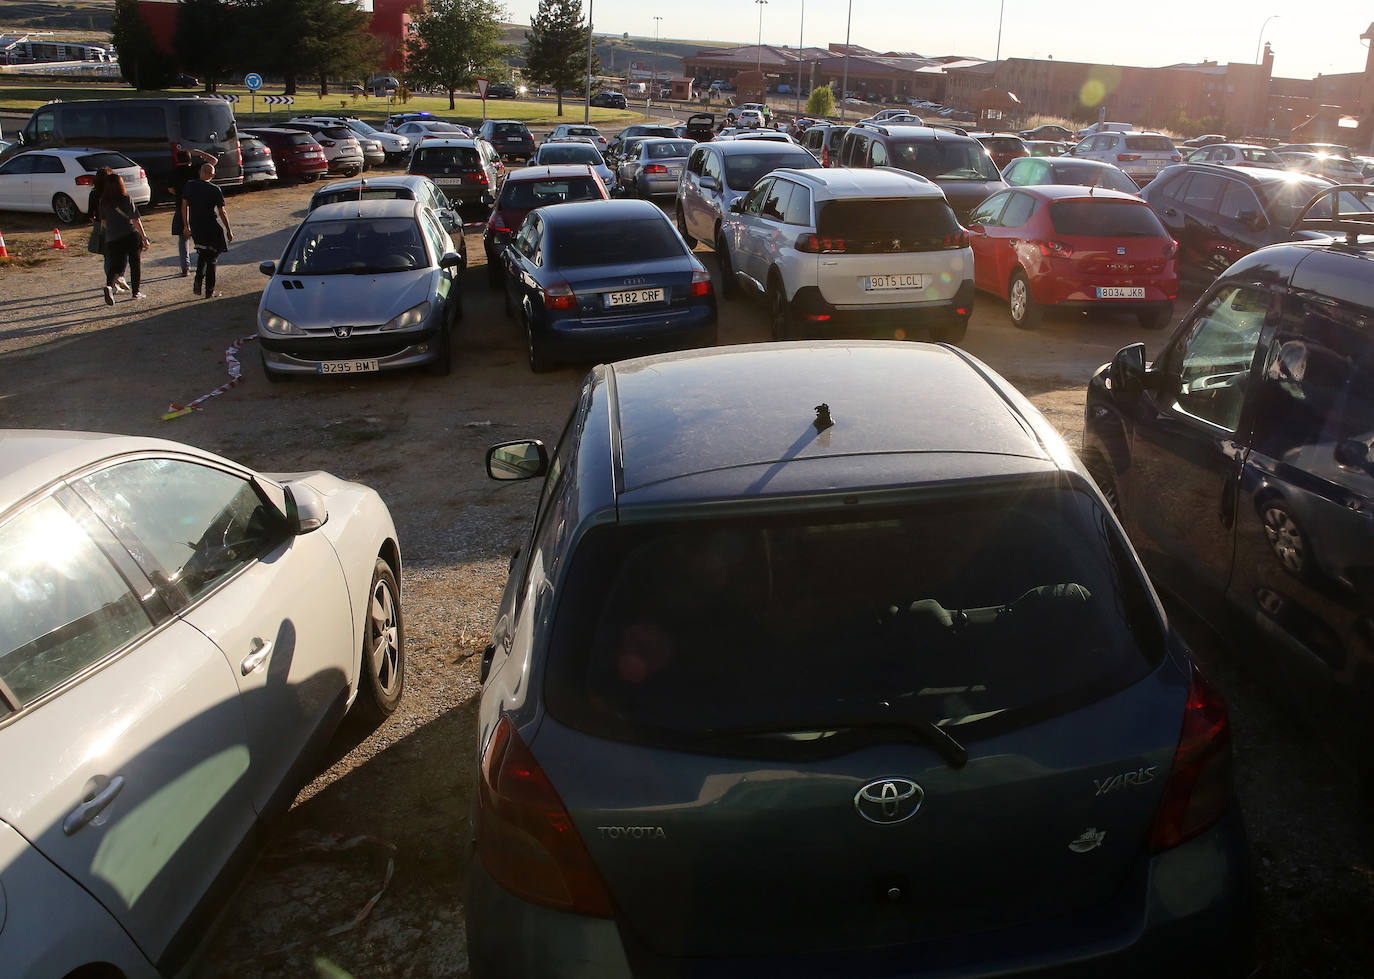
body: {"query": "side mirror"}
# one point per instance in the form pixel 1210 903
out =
pixel 446 219
pixel 305 509
pixel 451 260
pixel 1127 371
pixel 524 459
pixel 736 205
pixel 1352 453
pixel 488 200
pixel 709 183
pixel 267 268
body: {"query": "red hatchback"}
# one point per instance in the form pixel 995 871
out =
pixel 298 155
pixel 1076 248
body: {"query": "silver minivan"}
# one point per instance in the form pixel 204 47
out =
pixel 719 173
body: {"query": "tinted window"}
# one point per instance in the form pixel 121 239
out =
pixel 627 242
pixel 1203 190
pixel 1086 175
pixel 1212 361
pixel 945 160
pixel 1003 144
pixel 358 246
pixel 301 139
pixel 569 153
pixel 527 194
pixel 1238 200
pixel 1285 199
pixel 777 199
pixel 19 164
pixel 89 121
pixel 1105 219
pixel 868 226
pixel 63 606
pixel 368 193
pixel 1019 210
pixel 1150 144
pixel 671 631
pixel 877 156
pixel 92 162
pixel 144 123
pixel 798 206
pixel 668 151
pixel 42 163
pixel 743 170
pixel 206 122
pixel 434 157
pixel 510 129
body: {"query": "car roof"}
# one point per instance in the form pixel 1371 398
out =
pixel 1058 192
pixel 549 172
pixel 731 147
pixel 442 142
pixel 389 180
pixel 368 207
pixel 842 183
pixel 903 130
pixel 679 417
pixel 600 211
pixel 1325 268
pixel 69 150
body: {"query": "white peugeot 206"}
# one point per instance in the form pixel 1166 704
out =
pixel 177 634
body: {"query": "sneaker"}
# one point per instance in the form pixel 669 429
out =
pixel 196 288
pixel 214 295
pixel 121 285
pixel 109 296
pixel 139 295
pixel 185 273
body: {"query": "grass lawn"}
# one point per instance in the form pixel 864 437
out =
pixel 21 98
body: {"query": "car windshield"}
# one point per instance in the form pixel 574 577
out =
pixel 1084 174
pixel 569 153
pixel 510 129
pixel 1104 218
pixel 364 193
pixel 357 125
pixel 1285 198
pixel 445 156
pixel 617 243
pixel 743 170
pixel 944 160
pixel 669 150
pixel 1025 604
pixel 1150 144
pixel 356 246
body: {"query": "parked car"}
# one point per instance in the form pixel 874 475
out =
pixel 833 251
pixel 147 131
pixel 1236 155
pixel 1105 127
pixel 613 151
pixel 596 279
pixel 510 138
pixel 563 130
pixel 180 637
pixel 952 159
pixel 502 91
pixel 1059 246
pixel 706 647
pixel 1141 155
pixel 1048 133
pixel 719 173
pixel 1207 140
pixel 733 117
pixel 258 168
pixel 610 100
pixel 1219 214
pixel 579 153
pixel 468 171
pixel 1338 168
pixel 394 146
pixel 1002 147
pixel 749 119
pixel 342 151
pixel 297 155
pixel 1328 149
pixel 823 142
pixel 393 295
pixel 700 127
pixel 407 187
pixel 419 130
pixel 1239 461
pixel 770 135
pixel 58 181
pixel 888 115
pixel 656 167
pixel 398 118
pixel 524 190
pixel 1068 170
pixel 1044 148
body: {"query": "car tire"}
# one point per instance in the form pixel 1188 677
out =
pixel 309 178
pixel 442 364
pixel 952 332
pixel 682 229
pixel 539 360
pixel 728 285
pixel 781 319
pixel 65 208
pixel 1025 312
pixel 1156 319
pixel 642 192
pixel 382 676
pixel 1286 538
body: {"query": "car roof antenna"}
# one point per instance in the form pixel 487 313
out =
pixel 823 419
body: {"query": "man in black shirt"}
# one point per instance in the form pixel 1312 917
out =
pixel 202 210
pixel 182 174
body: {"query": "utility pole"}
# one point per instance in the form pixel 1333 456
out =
pixel 587 108
pixel 801 34
pixel 1001 10
pixel 761 4
pixel 653 83
pixel 844 85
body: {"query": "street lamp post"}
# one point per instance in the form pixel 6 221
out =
pixel 1000 11
pixel 801 33
pixel 844 85
pixel 653 82
pixel 1261 35
pixel 587 108
pixel 762 4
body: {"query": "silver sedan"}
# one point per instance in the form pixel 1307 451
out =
pixel 655 166
pixel 575 150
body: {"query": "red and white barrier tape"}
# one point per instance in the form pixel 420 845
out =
pixel 231 361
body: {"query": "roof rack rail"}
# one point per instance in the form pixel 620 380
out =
pixel 873 126
pixel 948 127
pixel 1352 224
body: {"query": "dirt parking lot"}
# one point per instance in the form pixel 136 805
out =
pixel 362 876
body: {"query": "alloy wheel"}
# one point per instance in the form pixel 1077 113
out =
pixel 1285 538
pixel 383 637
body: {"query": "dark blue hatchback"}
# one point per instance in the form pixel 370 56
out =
pixel 601 280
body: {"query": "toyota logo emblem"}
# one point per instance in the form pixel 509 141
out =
pixel 889 800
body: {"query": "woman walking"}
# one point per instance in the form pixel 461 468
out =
pixel 202 210
pixel 96 246
pixel 124 237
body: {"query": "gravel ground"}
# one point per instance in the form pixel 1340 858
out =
pixel 362 876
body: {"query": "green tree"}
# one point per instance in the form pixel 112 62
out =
pixel 142 63
pixel 206 39
pixel 294 39
pixel 556 46
pixel 453 41
pixel 821 103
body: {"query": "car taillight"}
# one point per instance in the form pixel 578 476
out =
pixel 958 239
pixel 816 245
pixel 655 168
pixel 559 296
pixel 1171 249
pixel 85 180
pixel 176 154
pixel 701 284
pixel 497 223
pixel 525 837
pixel 1176 158
pixel 825 156
pixel 480 177
pixel 1127 157
pixel 238 148
pixel 141 174
pixel 1199 786
pixel 1055 249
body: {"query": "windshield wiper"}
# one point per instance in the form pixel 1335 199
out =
pixel 931 735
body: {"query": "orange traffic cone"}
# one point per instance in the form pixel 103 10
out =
pixel 4 252
pixel 57 239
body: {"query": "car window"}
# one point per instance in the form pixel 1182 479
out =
pixel 1018 172
pixel 210 120
pixel 63 606
pixel 711 167
pixel 559 153
pixel 989 213
pixel 694 163
pixel 528 194
pixel 753 201
pixel 776 200
pixel 1210 366
pixel 43 125
pixel 146 123
pixel 1238 201
pixel 43 163
pixel 945 160
pixel 621 243
pixel 438 238
pixel 356 246
pixel 904 224
pixel 877 155
pixel 1202 191
pixel 798 206
pixel 1149 144
pixel 191 526
pixel 743 170
pixel 525 240
pixel 1018 211
pixel 1105 218
pixel 19 164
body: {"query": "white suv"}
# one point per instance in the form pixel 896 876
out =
pixel 870 248
pixel 1141 155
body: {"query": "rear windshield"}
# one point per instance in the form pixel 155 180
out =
pixel 339 132
pixel 358 246
pixel 302 139
pixel 1105 219
pixel 445 156
pixel 1022 605
pixel 1003 144
pixel 510 129
pixel 1150 144
pixel 368 193
pixel 915 225
pixel 206 122
pixel 945 160
pixel 526 195
pixel 569 153
pixel 1085 174
pixel 624 242
pixel 94 161
pixel 670 150
pixel 743 170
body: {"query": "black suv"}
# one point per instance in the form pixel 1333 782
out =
pixel 1218 213
pixel 610 100
pixel 1240 462
pixel 500 91
pixel 510 138
pixel 949 158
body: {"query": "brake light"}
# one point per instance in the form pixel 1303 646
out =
pixel 480 177
pixel 1199 786
pixel 701 284
pixel 817 245
pixel 141 174
pixel 1171 249
pixel 959 239
pixel 655 168
pixel 1176 158
pixel 1127 157
pixel 85 180
pixel 176 154
pixel 525 837
pixel 559 296
pixel 1055 249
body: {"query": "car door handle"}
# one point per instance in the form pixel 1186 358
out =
pixel 256 658
pixel 1171 213
pixel 101 793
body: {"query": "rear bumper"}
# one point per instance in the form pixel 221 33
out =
pixel 346 164
pixel 626 336
pixel 813 315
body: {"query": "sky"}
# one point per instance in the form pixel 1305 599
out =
pixel 1308 39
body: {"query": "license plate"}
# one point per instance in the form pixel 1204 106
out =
pixel 448 181
pixel 634 297
pixel 514 139
pixel 675 171
pixel 1120 292
pixel 887 283
pixel 348 367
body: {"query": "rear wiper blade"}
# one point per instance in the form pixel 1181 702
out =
pixel 931 735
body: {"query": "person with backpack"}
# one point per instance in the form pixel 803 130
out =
pixel 202 211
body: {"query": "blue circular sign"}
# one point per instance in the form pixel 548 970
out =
pixel 253 80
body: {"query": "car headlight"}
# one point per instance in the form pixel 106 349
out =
pixel 413 316
pixel 280 325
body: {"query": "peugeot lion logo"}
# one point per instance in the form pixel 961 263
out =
pixel 889 800
pixel 343 332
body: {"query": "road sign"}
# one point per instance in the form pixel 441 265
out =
pixel 482 88
pixel 253 80
pixel 279 100
pixel 223 97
